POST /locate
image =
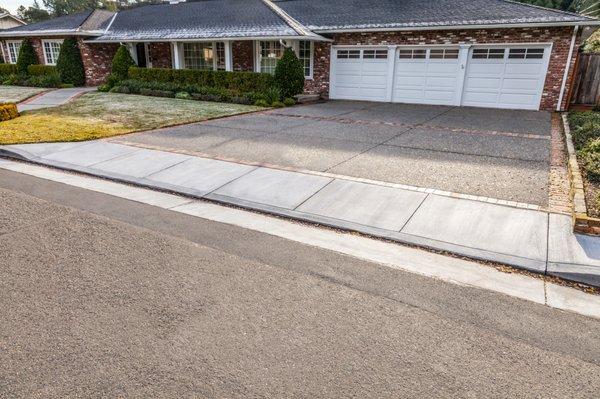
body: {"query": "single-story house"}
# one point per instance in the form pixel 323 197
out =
pixel 484 53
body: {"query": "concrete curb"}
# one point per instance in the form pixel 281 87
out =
pixel 582 222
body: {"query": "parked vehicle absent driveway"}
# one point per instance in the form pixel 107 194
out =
pixel 494 153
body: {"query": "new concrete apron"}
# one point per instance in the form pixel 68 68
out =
pixel 528 239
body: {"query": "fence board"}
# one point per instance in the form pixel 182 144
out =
pixel 587 80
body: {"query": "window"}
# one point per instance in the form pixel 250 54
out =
pixel 526 53
pixel 488 53
pixel 380 54
pixel 204 55
pixel 13 51
pixel 269 54
pixel 220 59
pixel 51 50
pixel 348 54
pixel 305 50
pixel 412 53
pixel 443 53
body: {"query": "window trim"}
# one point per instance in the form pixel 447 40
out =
pixel 310 55
pixel 19 42
pixel 44 41
pixel 295 45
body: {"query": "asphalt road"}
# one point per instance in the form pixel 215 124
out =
pixel 104 297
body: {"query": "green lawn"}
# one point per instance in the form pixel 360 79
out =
pixel 15 94
pixel 98 115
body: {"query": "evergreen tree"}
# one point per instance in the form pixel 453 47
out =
pixel 69 63
pixel 121 63
pixel 289 74
pixel 26 57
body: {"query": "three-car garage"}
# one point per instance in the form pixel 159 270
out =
pixel 493 76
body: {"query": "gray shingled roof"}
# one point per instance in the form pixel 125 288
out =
pixel 197 20
pixel 93 20
pixel 331 15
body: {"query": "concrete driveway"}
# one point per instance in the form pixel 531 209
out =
pixel 494 153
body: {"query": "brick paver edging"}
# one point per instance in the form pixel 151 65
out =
pixel 582 222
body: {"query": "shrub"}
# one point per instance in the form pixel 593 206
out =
pixel 585 133
pixel 121 63
pixel 288 102
pixel 157 93
pixel 66 86
pixel 577 119
pixel 277 104
pixel 120 89
pixel 241 82
pixel 69 63
pixel 41 81
pixel 8 69
pixel 12 79
pixel 104 88
pixel 41 70
pixel 289 74
pixel 26 57
pixel 8 111
pixel 183 95
pixel 591 164
pixel 261 103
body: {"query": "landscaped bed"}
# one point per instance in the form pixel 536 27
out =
pixel 585 129
pixel 16 94
pixel 98 115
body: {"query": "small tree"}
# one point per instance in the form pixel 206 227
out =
pixel 26 57
pixel 69 63
pixel 121 63
pixel 289 74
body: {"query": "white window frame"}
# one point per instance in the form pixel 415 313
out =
pixel 8 43
pixel 180 52
pixel 295 45
pixel 49 41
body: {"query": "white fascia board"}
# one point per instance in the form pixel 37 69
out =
pixel 211 39
pixel 458 27
pixel 46 33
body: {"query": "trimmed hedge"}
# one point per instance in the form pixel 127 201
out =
pixel 242 82
pixel 289 74
pixel 121 63
pixel 8 111
pixel 27 57
pixel 69 64
pixel 41 70
pixel 8 69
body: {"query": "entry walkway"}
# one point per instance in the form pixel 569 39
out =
pixel 526 238
pixel 52 98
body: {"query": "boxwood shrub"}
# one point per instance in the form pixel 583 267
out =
pixel 8 111
pixel 8 69
pixel 241 82
pixel 41 70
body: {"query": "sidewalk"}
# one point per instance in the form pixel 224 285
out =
pixel 52 98
pixel 529 239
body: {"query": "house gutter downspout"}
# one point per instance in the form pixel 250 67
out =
pixel 567 68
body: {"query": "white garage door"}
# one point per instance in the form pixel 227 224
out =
pixel 492 77
pixel 360 74
pixel 506 77
pixel 426 76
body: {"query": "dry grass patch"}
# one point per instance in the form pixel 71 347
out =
pixel 98 115
pixel 16 94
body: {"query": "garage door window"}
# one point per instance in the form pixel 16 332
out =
pixel 526 53
pixel 412 54
pixel 348 54
pixel 488 53
pixel 443 53
pixel 381 54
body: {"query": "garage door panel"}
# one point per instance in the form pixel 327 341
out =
pixel 486 69
pixel 445 69
pixel 440 95
pixel 473 99
pixel 520 84
pixel 515 98
pixel 531 70
pixel 441 82
pixel 477 83
pixel 408 81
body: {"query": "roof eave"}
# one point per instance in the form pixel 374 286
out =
pixel 316 38
pixel 44 33
pixel 457 27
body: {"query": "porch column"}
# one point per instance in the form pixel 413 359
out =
pixel 176 59
pixel 228 57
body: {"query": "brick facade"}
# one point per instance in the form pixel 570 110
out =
pixel 97 60
pixel 243 55
pixel 560 37
pixel 159 55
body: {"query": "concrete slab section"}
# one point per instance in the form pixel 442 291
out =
pixel 347 131
pixel 201 175
pixel 141 163
pixel 273 187
pixel 42 149
pixel 312 153
pixel 259 122
pixel 326 109
pixel 474 144
pixel 507 179
pixel 366 204
pixel 505 120
pixel 489 227
pixel 572 256
pixel 407 114
pixel 86 155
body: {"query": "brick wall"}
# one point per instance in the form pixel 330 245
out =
pixel 560 37
pixel 97 60
pixel 243 55
pixel 160 55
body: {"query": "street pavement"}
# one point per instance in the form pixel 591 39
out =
pixel 104 297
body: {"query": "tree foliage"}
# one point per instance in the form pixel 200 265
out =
pixel 121 63
pixel 26 57
pixel 289 74
pixel 33 13
pixel 69 63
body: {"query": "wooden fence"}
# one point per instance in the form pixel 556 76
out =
pixel 586 90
